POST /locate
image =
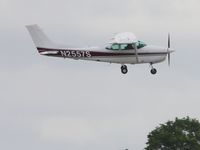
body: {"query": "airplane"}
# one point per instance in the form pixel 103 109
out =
pixel 124 48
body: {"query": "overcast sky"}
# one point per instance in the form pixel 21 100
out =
pixel 50 103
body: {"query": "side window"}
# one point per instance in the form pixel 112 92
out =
pixel 123 46
pixel 126 46
pixel 115 47
pixel 129 46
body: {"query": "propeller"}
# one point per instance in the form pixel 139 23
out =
pixel 168 49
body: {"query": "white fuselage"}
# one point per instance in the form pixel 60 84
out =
pixel 147 54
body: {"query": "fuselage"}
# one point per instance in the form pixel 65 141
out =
pixel 147 54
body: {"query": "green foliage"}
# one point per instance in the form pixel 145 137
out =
pixel 181 134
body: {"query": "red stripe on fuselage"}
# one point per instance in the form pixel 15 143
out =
pixel 102 54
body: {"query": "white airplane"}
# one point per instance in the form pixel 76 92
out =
pixel 123 49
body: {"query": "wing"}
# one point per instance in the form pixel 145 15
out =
pixel 124 38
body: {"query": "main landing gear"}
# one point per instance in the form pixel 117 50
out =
pixel 153 70
pixel 124 69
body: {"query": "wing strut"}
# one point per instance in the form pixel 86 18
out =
pixel 136 52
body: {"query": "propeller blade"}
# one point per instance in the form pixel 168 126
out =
pixel 168 52
pixel 169 41
pixel 169 57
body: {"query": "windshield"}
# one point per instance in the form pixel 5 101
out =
pixel 139 45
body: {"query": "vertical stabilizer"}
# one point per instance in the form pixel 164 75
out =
pixel 39 38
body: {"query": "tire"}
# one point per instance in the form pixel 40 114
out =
pixel 153 71
pixel 124 69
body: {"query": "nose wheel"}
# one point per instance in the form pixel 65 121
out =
pixel 153 70
pixel 124 69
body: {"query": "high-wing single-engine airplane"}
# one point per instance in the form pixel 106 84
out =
pixel 123 49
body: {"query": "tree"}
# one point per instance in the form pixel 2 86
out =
pixel 181 134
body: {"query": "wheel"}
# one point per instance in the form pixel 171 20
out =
pixel 124 69
pixel 153 71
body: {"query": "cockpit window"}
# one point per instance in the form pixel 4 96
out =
pixel 139 45
pixel 127 46
pixel 115 46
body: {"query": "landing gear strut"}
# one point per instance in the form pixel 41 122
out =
pixel 153 70
pixel 124 69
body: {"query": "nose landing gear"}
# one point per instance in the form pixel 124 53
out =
pixel 124 69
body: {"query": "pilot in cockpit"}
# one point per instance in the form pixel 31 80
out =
pixel 129 46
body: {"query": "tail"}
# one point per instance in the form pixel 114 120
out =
pixel 39 38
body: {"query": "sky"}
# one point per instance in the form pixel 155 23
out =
pixel 52 103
